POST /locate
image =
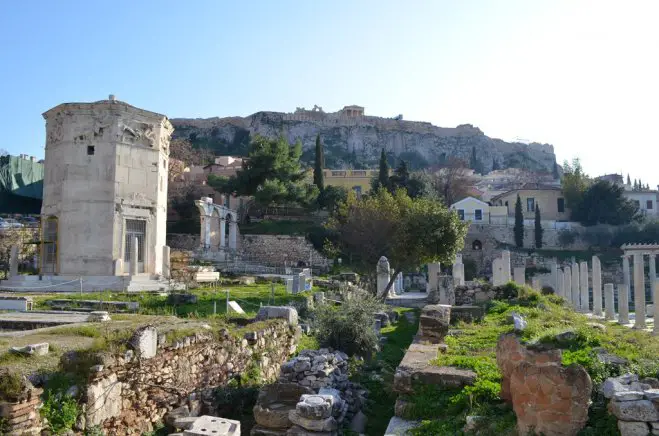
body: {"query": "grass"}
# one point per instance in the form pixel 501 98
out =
pixel 444 412
pixel 382 398
pixel 209 301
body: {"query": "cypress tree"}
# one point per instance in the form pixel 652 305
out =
pixel 538 228
pixel 629 181
pixel 495 164
pixel 383 176
pixel 319 164
pixel 519 223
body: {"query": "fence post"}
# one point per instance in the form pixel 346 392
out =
pixel 272 293
pixel 227 291
pixel 80 280
pixel 214 307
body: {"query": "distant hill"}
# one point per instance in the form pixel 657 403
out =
pixel 353 140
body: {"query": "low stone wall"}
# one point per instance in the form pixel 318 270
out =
pixel 21 417
pixel 137 389
pixel 634 403
pixel 182 241
pixel 275 249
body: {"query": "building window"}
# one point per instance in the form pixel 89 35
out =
pixel 90 150
pixel 561 205
pixel 530 204
pixel 478 215
pixel 648 205
pixel 359 173
pixel 461 214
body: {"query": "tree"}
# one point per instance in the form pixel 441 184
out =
pixel 629 181
pixel 319 164
pixel 574 184
pixel 409 232
pixel 272 174
pixel 495 164
pixel 332 196
pixel 604 203
pixel 451 183
pixel 519 223
pixel 538 231
pixel 182 150
pixel 383 174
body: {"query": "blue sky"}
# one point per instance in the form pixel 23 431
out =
pixel 581 75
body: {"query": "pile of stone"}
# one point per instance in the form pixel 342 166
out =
pixel 317 369
pixel 318 414
pixel 634 403
pixel 473 292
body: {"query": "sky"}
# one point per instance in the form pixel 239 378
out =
pixel 581 75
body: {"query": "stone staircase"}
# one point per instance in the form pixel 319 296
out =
pixel 138 283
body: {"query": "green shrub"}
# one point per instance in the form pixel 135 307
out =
pixel 60 410
pixel 349 327
pixel 11 385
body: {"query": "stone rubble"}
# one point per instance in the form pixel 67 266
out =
pixel 634 403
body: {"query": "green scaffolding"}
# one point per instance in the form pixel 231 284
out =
pixel 21 185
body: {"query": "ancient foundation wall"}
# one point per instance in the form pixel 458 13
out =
pixel 137 389
pixel 277 249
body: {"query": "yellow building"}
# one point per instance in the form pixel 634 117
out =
pixel 358 181
pixel 549 198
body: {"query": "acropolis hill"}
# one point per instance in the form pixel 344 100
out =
pixel 354 139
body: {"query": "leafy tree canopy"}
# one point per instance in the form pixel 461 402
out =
pixel 603 203
pixel 272 174
pixel 409 232
pixel 574 184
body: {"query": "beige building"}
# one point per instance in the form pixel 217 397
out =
pixel 479 212
pixel 105 189
pixel 549 198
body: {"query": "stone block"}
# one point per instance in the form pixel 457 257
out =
pixel 434 322
pixel 358 423
pixel 275 401
pixel 99 316
pixel 400 427
pixel 651 394
pixel 259 430
pixel 466 313
pixel 145 342
pixel 103 400
pixel 326 424
pixel 640 410
pixel 631 428
pixel 287 313
pixel 628 396
pixel 211 425
pixel 315 406
pixel 32 349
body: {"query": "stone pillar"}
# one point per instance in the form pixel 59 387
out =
pixel 205 232
pixel 597 286
pixel 133 257
pixel 118 267
pixel 535 283
pixel 584 305
pixel 223 233
pixel 519 275
pixel 497 271
pixel 446 290
pixel 166 264
pixel 13 261
pixel 458 273
pixel 576 283
pixel 608 302
pixel 214 228
pixel 653 272
pixel 639 291
pixel 567 284
pixel 434 269
pixel 505 256
pixel 233 235
pixel 625 272
pixel 383 275
pixel 655 303
pixel 554 276
pixel 623 304
pixel 560 285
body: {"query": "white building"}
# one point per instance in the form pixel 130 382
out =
pixel 479 212
pixel 646 201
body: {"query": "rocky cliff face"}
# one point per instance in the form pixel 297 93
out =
pixel 357 141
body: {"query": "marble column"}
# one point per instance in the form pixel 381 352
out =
pixel 655 303
pixel 166 262
pixel 497 271
pixel 383 275
pixel 626 275
pixel 567 284
pixel 223 233
pixel 608 302
pixel 653 272
pixel 623 304
pixel 554 276
pixel 205 232
pixel 576 283
pixel 505 256
pixel 458 272
pixel 560 283
pixel 519 275
pixel 597 286
pixel 133 256
pixel 535 283
pixel 584 305
pixel 639 291
pixel 13 261
pixel 434 269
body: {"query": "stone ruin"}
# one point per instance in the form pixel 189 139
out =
pixel 634 403
pixel 312 396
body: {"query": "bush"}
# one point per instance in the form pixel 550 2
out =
pixel 567 237
pixel 60 410
pixel 349 327
pixel 598 236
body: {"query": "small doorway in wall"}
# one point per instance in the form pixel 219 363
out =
pixel 134 229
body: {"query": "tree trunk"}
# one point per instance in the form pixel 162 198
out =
pixel 389 285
